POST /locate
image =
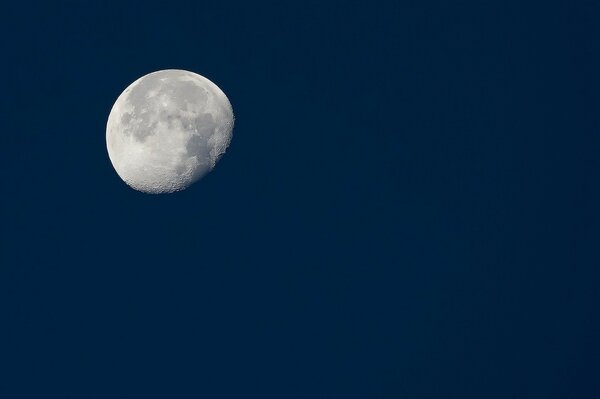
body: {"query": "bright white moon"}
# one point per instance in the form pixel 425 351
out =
pixel 167 130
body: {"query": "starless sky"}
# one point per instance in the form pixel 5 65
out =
pixel 409 207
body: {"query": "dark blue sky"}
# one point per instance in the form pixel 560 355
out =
pixel 409 207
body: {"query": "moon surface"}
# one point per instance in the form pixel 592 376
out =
pixel 167 130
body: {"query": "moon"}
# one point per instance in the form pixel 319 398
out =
pixel 167 130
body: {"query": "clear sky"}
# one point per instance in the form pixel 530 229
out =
pixel 409 207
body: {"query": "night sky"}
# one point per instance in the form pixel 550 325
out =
pixel 409 208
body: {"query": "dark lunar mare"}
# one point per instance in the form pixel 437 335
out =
pixel 182 93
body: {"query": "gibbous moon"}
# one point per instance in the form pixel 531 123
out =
pixel 167 130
